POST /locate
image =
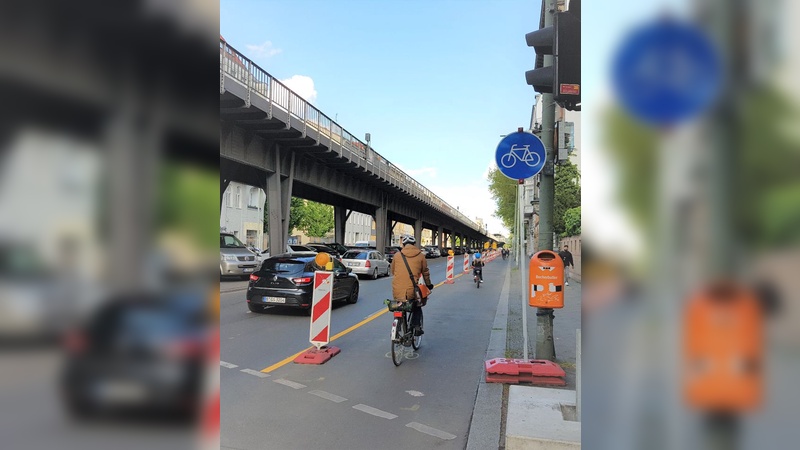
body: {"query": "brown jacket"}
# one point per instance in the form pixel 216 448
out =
pixel 402 288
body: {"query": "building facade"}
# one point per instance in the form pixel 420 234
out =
pixel 242 213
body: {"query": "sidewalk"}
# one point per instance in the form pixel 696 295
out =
pixel 498 404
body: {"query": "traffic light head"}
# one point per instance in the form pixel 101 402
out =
pixel 563 77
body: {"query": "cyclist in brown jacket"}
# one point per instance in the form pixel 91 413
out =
pixel 402 284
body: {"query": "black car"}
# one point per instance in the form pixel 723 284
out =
pixel 389 252
pixel 140 353
pixel 323 248
pixel 287 280
pixel 337 247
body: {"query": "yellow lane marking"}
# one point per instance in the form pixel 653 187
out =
pixel 369 318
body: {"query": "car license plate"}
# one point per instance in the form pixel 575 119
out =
pixel 274 300
pixel 247 270
pixel 121 391
pixel 352 264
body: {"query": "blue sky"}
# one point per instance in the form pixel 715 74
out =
pixel 436 84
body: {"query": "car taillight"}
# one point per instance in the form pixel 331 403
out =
pixel 254 277
pixel 367 265
pixel 75 341
pixel 302 280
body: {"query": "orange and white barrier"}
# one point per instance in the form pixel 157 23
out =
pixel 320 333
pixel 449 279
pixel 466 262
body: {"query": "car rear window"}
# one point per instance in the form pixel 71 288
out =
pixel 283 265
pixel 355 255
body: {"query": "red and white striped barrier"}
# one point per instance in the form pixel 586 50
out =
pixel 320 330
pixel 449 279
pixel 466 262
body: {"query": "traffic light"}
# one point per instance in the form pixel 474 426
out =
pixel 563 41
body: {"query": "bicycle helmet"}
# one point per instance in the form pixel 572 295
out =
pixel 408 240
pixel 477 255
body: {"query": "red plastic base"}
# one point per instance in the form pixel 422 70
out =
pixel 314 356
pixel 515 371
pixel 449 281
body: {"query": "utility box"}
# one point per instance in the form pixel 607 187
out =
pixel 546 280
pixel 566 140
pixel 723 347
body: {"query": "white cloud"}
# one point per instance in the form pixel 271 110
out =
pixel 474 201
pixel 265 50
pixel 302 86
pixel 422 172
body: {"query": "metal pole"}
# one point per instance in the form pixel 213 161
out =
pixel 545 346
pixel 523 273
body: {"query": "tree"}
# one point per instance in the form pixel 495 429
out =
pixel 567 193
pixel 317 219
pixel 504 192
pixel 297 211
pixel 572 222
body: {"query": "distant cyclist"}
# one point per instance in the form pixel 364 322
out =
pixel 477 266
pixel 402 284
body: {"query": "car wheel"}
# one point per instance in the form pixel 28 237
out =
pixel 353 298
pixel 375 274
pixel 255 308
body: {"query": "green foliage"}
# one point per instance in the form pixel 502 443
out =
pixel 567 193
pixel 297 211
pixel 572 222
pixel 504 192
pixel 183 205
pixel 764 164
pixel 317 219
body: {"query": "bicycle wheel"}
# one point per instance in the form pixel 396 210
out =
pixel 398 331
pixel 507 160
pixel 417 340
pixel 532 159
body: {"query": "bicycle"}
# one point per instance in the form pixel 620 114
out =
pixel 476 276
pixel 528 157
pixel 402 335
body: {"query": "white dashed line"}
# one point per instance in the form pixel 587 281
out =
pixel 291 384
pixel 431 431
pixel 328 396
pixel 256 373
pixel 228 365
pixel 374 411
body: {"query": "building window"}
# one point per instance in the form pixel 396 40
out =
pixel 229 197
pixel 239 197
pixel 252 202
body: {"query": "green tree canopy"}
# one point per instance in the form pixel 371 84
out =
pixel 297 212
pixel 317 219
pixel 504 192
pixel 567 193
pixel 572 222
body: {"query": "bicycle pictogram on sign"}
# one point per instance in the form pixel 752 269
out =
pixel 523 154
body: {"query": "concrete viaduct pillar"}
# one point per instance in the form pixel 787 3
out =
pixel 340 216
pixel 418 232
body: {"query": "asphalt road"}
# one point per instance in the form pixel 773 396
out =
pixel 358 399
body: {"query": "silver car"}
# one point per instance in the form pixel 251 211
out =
pixel 366 262
pixel 234 257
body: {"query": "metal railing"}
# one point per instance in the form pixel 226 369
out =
pixel 278 95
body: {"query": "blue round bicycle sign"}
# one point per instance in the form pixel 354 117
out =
pixel 667 71
pixel 520 155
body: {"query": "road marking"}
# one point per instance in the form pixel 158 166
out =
pixel 431 431
pixel 291 384
pixel 374 411
pixel 256 373
pixel 228 365
pixel 369 318
pixel 415 393
pixel 328 396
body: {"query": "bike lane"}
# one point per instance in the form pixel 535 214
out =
pixel 359 398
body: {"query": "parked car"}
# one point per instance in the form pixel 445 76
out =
pixel 340 249
pixel 389 252
pixel 287 280
pixel 325 249
pixel 366 262
pixel 138 353
pixel 235 259
pixel 432 251
pixel 293 248
pixel 458 251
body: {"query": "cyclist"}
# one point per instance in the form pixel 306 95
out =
pixel 403 284
pixel 477 266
